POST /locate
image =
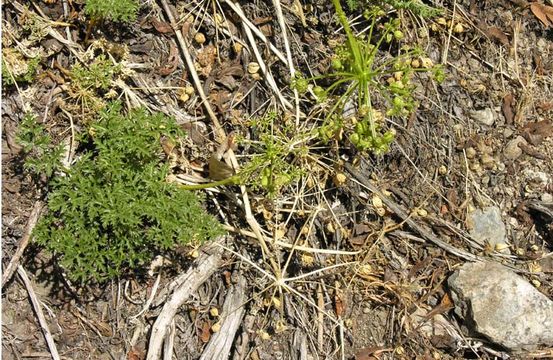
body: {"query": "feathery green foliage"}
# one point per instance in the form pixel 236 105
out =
pixel 114 209
pixel 114 10
pixel 417 7
pixel 41 155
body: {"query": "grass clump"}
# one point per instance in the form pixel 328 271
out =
pixel 94 83
pixel 273 163
pixel 113 209
pixel 17 68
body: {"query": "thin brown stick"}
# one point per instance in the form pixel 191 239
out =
pixel 282 24
pixel 40 315
pixel 184 46
pixel 14 262
pixel 238 10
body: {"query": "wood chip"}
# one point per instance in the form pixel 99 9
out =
pixel 161 26
pixel 495 34
pixel 536 132
pixel 544 13
pixel 508 108
pixel 171 62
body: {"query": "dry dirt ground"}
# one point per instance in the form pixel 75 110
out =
pixel 365 276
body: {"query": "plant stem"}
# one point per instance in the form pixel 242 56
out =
pixel 228 181
pixel 352 41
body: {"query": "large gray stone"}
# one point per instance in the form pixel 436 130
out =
pixel 499 304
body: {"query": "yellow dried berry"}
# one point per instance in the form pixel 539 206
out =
pixel 458 28
pixel 253 68
pixel 199 38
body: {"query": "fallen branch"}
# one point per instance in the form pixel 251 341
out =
pixel 222 341
pixel 207 264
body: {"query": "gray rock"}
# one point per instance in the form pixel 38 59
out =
pixel 485 116
pixel 547 198
pixel 486 226
pixel 502 306
pixel 512 151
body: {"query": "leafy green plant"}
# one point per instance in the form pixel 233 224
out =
pixel 272 166
pixel 114 10
pixel 98 75
pixel 114 209
pixel 41 155
pixel 369 79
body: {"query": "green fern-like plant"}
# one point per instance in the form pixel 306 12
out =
pixel 114 10
pixel 42 157
pixel 113 209
pixel 417 7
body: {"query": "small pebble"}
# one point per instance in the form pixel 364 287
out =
pixel 512 151
pixel 471 152
pixel 459 28
pixel 199 38
pixel 485 116
pixel 507 133
pixel 486 159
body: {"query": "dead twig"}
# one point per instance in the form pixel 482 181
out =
pixel 184 46
pixel 222 341
pixel 40 315
pixel 265 69
pixel 238 10
pixel 282 24
pixel 14 262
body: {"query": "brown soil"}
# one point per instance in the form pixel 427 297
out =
pixel 445 163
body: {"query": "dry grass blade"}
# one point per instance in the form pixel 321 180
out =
pixel 236 8
pixel 282 25
pixel 184 46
